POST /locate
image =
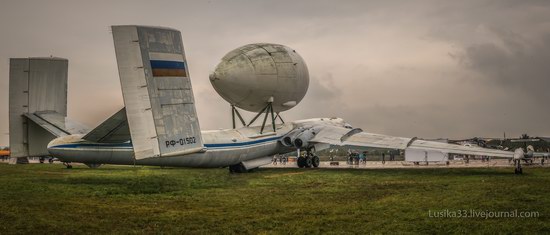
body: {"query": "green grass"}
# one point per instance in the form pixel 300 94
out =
pixel 45 199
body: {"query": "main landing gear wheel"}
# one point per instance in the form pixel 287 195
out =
pixel 308 161
pixel 237 168
pixel 315 161
pixel 301 162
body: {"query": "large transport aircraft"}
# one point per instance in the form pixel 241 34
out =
pixel 159 127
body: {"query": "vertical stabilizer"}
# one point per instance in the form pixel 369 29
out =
pixel 157 91
pixel 35 85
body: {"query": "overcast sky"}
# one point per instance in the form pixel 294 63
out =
pixel 407 68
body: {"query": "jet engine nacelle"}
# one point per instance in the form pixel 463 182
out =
pixel 288 140
pixel 299 138
pixel 303 138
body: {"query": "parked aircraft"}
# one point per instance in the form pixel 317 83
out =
pixel 158 125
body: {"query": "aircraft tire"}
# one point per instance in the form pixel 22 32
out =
pixel 309 162
pixel 315 161
pixel 301 162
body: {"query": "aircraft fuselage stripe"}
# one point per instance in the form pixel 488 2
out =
pixel 129 146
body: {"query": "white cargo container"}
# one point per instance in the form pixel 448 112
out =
pixel 421 155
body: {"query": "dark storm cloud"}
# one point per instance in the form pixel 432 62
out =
pixel 411 68
pixel 515 64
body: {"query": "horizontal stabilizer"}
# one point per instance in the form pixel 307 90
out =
pixel 56 123
pixel 48 126
pixel 113 130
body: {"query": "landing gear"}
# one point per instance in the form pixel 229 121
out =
pixel 308 161
pixel 518 169
pixel 68 165
pixel 41 159
pixel 315 161
pixel 302 162
pixel 237 168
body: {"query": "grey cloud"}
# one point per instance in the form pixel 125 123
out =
pixel 323 99
pixel 515 64
pixel 412 68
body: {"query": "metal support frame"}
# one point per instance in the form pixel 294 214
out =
pixel 272 117
pixel 257 115
pixel 233 112
pixel 267 110
pixel 280 118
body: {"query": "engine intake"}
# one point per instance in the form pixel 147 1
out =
pixel 303 138
pixel 299 138
pixel 289 138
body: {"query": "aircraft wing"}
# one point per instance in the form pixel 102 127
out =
pixel 356 138
pixel 540 154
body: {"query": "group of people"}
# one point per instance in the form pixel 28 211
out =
pixel 355 158
pixel 280 159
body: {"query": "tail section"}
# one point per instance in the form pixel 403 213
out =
pixel 157 91
pixel 37 104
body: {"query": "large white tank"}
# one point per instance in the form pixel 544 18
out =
pixel 252 75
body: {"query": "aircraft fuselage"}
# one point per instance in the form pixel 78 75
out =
pixel 222 148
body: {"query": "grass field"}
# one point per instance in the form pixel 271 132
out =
pixel 45 199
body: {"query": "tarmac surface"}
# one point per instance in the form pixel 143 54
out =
pixel 385 165
pixel 421 165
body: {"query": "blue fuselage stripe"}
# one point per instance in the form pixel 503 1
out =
pixel 239 144
pixel 129 145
